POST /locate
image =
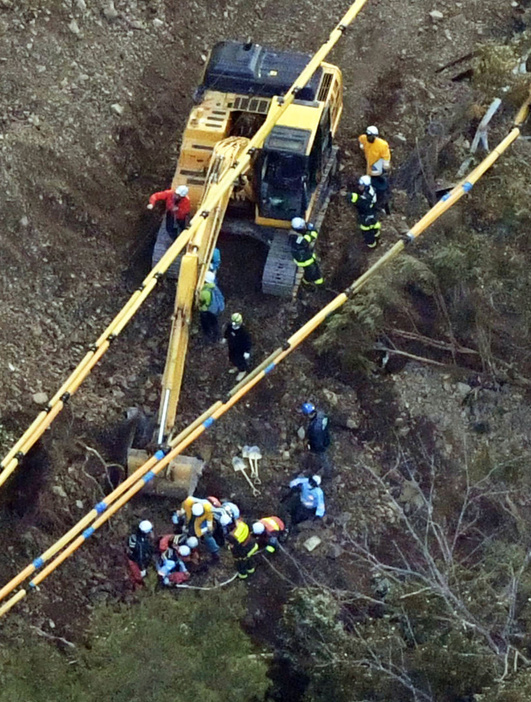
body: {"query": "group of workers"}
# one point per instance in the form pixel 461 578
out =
pixel 209 524
pixel 368 195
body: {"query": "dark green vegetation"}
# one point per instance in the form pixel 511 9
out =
pixel 164 649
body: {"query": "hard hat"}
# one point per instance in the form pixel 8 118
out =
pixel 197 509
pixel 232 509
pixel 298 224
pixel 236 318
pixel 225 519
pixel 145 526
pixel 307 408
pixel 316 479
pixel 181 191
pixel 210 277
pixel 167 568
pixel 258 528
pixel 365 180
pixel 372 131
pixel 192 542
pixel 214 500
pixel 184 551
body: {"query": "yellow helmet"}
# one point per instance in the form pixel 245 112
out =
pixel 236 318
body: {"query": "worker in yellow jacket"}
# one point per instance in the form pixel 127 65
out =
pixel 199 522
pixel 378 161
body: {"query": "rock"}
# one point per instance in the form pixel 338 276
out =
pixel 117 108
pixel 352 423
pixel 59 490
pixel 136 24
pixel 436 15
pixel 334 551
pixel 301 432
pixel 40 398
pixel 286 455
pixel 312 543
pixel 463 389
pixel 24 221
pixel 331 397
pixel 81 5
pixel 158 23
pixel 6 4
pixel 79 504
pixel 110 12
pixel 74 27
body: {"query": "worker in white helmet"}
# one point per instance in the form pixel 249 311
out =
pixel 140 552
pixel 307 500
pixel 211 305
pixel 199 522
pixel 363 197
pixel 302 242
pixel 239 344
pixel 378 162
pixel 178 208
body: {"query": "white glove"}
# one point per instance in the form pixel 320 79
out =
pixel 247 355
pixel 150 206
pixel 143 573
pixel 224 341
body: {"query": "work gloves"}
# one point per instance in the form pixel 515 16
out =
pixel 247 355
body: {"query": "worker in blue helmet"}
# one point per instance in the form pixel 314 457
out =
pixel 318 439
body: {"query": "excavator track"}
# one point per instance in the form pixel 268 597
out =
pixel 281 276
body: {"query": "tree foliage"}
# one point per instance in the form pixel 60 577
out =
pixel 165 649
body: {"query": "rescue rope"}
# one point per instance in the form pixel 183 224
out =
pixel 124 492
pixel 212 587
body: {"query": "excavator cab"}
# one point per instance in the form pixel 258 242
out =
pixel 282 174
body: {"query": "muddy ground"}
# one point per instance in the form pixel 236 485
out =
pixel 93 98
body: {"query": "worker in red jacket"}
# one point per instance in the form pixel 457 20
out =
pixel 177 208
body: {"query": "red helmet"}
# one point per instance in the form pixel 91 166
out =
pixel 214 500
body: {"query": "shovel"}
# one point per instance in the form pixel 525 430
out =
pixel 239 465
pixel 254 455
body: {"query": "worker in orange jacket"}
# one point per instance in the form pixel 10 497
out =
pixel 378 160
pixel 267 532
pixel 178 208
pixel 243 546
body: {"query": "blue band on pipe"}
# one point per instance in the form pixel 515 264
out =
pixel 269 368
pixel 467 187
pixel 445 197
pixel 148 476
pixel 88 532
pixel 38 562
pixel 101 507
pixel 208 422
pixel 159 455
pixel 32 584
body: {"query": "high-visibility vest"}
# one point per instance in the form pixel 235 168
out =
pixel 272 524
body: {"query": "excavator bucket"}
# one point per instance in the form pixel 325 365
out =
pixel 179 478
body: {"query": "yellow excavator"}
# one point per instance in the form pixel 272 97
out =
pixel 290 175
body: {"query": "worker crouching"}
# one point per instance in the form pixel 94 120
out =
pixel 307 499
pixel 268 531
pixel 243 547
pixel 199 522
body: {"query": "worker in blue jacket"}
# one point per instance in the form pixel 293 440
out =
pixel 307 501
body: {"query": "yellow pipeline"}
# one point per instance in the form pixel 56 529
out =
pixel 135 482
pixel 39 425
